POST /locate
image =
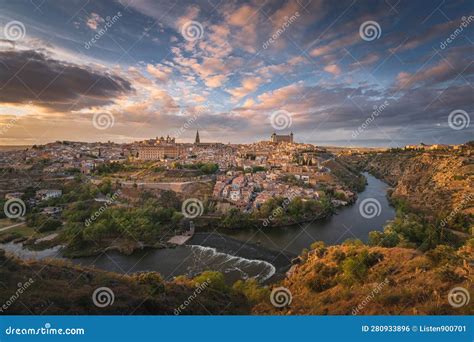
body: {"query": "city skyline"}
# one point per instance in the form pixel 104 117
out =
pixel 352 74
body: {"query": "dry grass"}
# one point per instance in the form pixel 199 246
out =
pixel 408 284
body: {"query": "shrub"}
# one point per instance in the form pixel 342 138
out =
pixel 319 249
pixel 209 168
pixel 251 289
pixel 152 279
pixel 49 225
pixel 373 258
pixel 9 236
pixel 391 299
pixel 338 256
pixel 447 273
pixel 355 268
pixel 213 279
pixel 442 255
pixel 353 242
pixel 323 278
pixel 384 239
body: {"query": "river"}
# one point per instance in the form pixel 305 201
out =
pixel 263 254
pixel 347 223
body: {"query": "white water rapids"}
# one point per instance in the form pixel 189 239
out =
pixel 209 257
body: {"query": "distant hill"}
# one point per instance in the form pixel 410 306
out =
pixel 13 147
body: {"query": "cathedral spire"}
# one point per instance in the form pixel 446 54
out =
pixel 197 140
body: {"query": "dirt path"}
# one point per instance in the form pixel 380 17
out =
pixel 12 226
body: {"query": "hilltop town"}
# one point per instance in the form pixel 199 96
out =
pixel 244 176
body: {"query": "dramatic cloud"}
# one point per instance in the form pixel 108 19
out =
pixel 248 60
pixel 454 66
pixel 161 72
pixel 31 77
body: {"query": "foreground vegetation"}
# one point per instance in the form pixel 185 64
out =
pixel 66 289
pixel 357 279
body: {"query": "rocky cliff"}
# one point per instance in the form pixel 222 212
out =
pixel 437 183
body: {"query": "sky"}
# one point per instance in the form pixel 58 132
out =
pixel 346 73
